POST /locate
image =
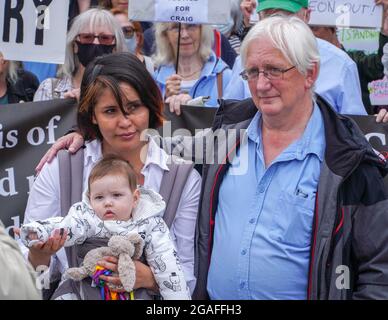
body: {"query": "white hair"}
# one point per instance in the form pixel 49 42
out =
pixel 89 19
pixel 291 36
pixel 164 53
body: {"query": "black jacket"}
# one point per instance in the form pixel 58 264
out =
pixel 24 88
pixel 351 217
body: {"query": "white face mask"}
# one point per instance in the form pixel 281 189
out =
pixel 131 44
pixel 384 59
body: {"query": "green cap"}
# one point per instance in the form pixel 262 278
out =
pixel 287 5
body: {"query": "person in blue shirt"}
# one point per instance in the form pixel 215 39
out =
pixel 200 73
pixel 293 203
pixel 338 82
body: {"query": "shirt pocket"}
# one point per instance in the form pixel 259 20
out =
pixel 293 220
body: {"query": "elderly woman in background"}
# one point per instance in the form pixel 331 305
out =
pixel 134 38
pixel 93 33
pixel 200 73
pixel 16 84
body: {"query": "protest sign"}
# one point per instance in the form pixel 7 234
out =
pixel 34 30
pixel 27 130
pixel 346 13
pixel 366 40
pixel 378 92
pixel 184 11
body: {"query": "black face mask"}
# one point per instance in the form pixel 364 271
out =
pixel 87 52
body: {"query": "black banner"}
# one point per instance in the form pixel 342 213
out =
pixel 27 130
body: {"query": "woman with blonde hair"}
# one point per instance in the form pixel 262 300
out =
pixel 199 73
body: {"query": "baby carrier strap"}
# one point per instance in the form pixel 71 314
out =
pixel 71 167
pixel 70 185
pixel 82 289
pixel 172 185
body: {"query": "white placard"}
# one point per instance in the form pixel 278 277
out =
pixel 378 92
pixel 34 30
pixel 346 13
pixel 181 11
pixel 185 11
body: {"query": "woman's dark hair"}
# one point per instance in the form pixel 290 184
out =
pixel 110 71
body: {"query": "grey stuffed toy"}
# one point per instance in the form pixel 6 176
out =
pixel 125 248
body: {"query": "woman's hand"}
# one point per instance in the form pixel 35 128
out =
pixel 72 141
pixel 144 276
pixel 40 253
pixel 382 116
pixel 176 101
pixel 173 85
pixel 247 7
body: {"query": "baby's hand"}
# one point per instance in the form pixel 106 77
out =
pixel 32 236
pixel 33 233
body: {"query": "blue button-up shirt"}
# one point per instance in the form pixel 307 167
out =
pixel 264 218
pixel 338 81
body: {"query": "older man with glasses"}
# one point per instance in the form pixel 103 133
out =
pixel 298 209
pixel 338 82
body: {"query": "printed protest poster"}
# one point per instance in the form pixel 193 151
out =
pixel 184 11
pixel 346 13
pixel 27 130
pixel 378 92
pixel 34 30
pixel 366 40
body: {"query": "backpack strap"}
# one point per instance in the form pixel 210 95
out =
pixel 172 185
pixel 219 85
pixel 70 178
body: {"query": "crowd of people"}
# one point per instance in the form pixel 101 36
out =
pixel 296 194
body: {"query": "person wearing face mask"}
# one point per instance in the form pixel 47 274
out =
pixel 234 28
pixel 93 33
pixel 134 38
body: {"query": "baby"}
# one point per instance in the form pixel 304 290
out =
pixel 114 206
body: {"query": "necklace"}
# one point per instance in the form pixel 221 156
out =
pixel 191 74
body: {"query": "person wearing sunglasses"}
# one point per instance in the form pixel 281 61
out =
pixel 134 38
pixel 93 33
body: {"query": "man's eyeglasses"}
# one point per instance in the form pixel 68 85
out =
pixel 88 38
pixel 190 28
pixel 128 32
pixel 271 73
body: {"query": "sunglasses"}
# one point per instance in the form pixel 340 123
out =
pixel 128 32
pixel 88 38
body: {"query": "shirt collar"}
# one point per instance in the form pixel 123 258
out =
pixel 155 156
pixel 312 140
pixel 93 152
pixel 209 67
